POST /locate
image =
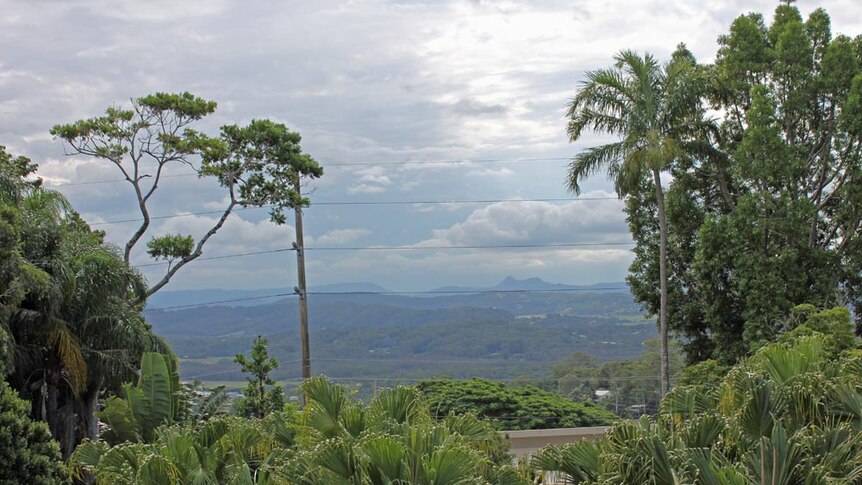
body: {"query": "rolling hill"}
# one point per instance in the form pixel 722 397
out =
pixel 363 332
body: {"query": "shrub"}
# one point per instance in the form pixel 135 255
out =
pixel 512 408
pixel 28 453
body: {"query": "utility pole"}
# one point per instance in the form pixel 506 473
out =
pixel 302 290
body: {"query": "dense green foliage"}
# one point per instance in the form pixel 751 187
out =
pixel 335 440
pixel 511 408
pixel 222 450
pixel 259 165
pixel 262 395
pixel 202 403
pixel 790 414
pixel 153 402
pixel 704 373
pixel 28 453
pixel 394 440
pixel 66 300
pixel 767 217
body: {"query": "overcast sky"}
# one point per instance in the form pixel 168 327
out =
pixel 362 81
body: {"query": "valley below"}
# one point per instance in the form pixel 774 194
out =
pixel 516 330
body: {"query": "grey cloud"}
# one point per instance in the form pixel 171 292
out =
pixel 587 221
pixel 473 107
pixel 366 81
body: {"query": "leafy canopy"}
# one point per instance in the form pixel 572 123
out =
pixel 766 216
pixel 511 408
pixel 258 165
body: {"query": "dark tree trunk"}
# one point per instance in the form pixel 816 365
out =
pixel 662 269
pixel 87 407
pixel 52 404
pixel 70 420
pixel 67 430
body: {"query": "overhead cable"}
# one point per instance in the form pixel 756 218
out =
pixel 402 248
pixel 367 203
pixel 349 164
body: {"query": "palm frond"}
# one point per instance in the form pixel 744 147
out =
pixel 594 160
pixel 579 461
pixel 69 350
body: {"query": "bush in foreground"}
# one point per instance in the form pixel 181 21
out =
pixel 335 440
pixel 28 453
pixel 790 414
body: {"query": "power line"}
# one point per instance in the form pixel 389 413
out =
pixel 422 361
pixel 404 248
pixel 232 300
pixel 371 203
pixel 434 361
pixel 351 164
pixel 114 181
pixel 463 292
pixel 394 293
pixel 224 256
pixel 478 246
pixel 451 161
pixel 512 379
pixel 471 201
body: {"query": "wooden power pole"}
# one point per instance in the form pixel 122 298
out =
pixel 302 290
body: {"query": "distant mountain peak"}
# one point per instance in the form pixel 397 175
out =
pixel 534 283
pixel 512 279
pixel 358 287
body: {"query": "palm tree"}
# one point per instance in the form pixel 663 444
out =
pixel 653 110
pixel 75 331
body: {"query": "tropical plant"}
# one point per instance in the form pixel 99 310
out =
pixel 656 113
pixel 222 450
pixel 768 218
pixel 153 402
pixel 335 440
pixel 67 306
pixel 202 403
pixel 393 440
pixel 790 414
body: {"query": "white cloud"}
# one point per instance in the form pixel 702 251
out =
pixel 586 221
pixel 522 223
pixel 237 234
pixel 337 237
pixel 376 179
pixel 491 172
pixel 365 189
pixel 475 267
